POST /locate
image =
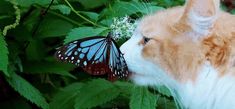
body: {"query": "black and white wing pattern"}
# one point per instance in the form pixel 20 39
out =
pixel 96 55
pixel 117 62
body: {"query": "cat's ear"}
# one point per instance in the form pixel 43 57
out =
pixel 200 15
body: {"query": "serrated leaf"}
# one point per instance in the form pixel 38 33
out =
pixel 3 55
pixel 48 68
pixel 62 8
pixel 66 97
pixel 82 32
pixel 28 91
pixel 142 99
pixel 95 93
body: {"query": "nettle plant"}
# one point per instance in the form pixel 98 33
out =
pixel 30 76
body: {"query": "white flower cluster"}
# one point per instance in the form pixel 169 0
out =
pixel 123 27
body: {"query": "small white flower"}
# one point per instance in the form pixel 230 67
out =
pixel 123 27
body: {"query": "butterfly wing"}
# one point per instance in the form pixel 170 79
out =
pixel 96 55
pixel 88 53
pixel 117 62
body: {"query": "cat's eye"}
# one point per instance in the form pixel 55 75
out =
pixel 146 40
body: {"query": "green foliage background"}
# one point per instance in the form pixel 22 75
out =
pixel 31 78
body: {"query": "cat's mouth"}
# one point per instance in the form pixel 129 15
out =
pixel 134 74
pixel 142 79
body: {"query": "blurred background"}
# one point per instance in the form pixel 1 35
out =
pixel 31 77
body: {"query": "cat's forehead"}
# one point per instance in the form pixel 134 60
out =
pixel 160 23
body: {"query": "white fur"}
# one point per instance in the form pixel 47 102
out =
pixel 209 91
pixel 144 72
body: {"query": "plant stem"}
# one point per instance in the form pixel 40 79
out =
pixel 65 18
pixel 61 16
pixel 77 13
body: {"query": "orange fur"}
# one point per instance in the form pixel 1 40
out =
pixel 191 51
pixel 180 56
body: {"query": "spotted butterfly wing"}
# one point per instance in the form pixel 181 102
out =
pixel 96 55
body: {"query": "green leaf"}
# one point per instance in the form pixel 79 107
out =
pixel 66 97
pixel 169 3
pixel 48 68
pixel 62 8
pixel 5 5
pixel 142 99
pixel 125 87
pixel 120 9
pixel 107 22
pixel 27 90
pixel 3 55
pixel 164 103
pixel 27 3
pixel 90 4
pixel 82 32
pixel 233 11
pixel 31 22
pixel 164 90
pixel 20 31
pixel 54 28
pixel 92 15
pixel 95 93
pixel 35 50
pixel 151 9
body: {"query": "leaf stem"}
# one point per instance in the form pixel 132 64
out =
pixel 65 18
pixel 77 13
pixel 61 16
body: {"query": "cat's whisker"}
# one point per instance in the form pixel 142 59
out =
pixel 137 9
pixel 128 10
pixel 145 5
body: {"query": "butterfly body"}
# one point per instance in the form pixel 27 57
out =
pixel 97 55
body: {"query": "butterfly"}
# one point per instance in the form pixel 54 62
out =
pixel 97 55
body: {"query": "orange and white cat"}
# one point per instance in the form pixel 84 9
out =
pixel 190 50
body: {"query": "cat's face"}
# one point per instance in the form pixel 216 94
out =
pixel 154 47
pixel 169 46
